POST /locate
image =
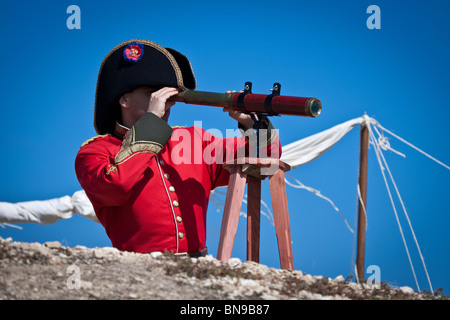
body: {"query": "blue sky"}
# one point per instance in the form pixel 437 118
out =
pixel 398 74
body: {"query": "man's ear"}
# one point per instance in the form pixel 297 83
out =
pixel 123 101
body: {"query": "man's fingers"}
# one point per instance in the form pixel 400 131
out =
pixel 159 103
pixel 165 92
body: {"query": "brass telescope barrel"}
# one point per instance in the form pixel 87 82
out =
pixel 250 102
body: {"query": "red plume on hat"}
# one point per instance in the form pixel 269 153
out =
pixel 133 64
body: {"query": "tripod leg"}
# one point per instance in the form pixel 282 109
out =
pixel 232 208
pixel 253 218
pixel 281 219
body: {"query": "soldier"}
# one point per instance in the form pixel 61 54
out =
pixel 144 196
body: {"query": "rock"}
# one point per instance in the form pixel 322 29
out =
pixel 53 245
pixel 99 254
pixel 407 290
pixel 234 262
pixel 309 279
pixel 86 284
pixel 139 280
pixel 339 279
pixel 208 257
pixel 297 273
pixel 266 296
pixel 156 254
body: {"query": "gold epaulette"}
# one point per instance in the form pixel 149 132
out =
pixel 94 138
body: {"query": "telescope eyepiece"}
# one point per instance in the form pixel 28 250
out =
pixel 313 107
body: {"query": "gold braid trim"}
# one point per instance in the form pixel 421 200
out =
pixel 93 139
pixel 130 147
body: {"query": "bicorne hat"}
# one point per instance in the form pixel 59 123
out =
pixel 133 64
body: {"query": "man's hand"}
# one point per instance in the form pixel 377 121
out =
pixel 159 104
pixel 242 118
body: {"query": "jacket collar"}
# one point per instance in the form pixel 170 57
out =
pixel 120 130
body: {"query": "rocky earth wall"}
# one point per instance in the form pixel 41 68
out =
pixel 52 271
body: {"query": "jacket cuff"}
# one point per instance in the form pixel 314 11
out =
pixel 150 128
pixel 149 134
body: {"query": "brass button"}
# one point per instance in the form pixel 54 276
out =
pixel 172 189
pixel 180 235
pixel 166 175
pixel 161 162
pixel 175 203
pixel 179 219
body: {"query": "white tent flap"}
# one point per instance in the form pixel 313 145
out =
pixel 310 148
pixel 47 211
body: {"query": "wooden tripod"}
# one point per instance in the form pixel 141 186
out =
pixel 235 194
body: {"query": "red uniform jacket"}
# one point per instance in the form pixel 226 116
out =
pixel 150 192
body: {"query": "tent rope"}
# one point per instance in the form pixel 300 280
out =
pixel 300 185
pixel 382 160
pixel 377 124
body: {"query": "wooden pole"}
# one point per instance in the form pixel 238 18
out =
pixel 281 219
pixel 363 165
pixel 253 218
pixel 232 208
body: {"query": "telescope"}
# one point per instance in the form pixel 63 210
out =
pixel 246 101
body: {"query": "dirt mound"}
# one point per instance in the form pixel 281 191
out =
pixel 52 271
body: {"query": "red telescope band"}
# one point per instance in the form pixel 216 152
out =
pixel 273 104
